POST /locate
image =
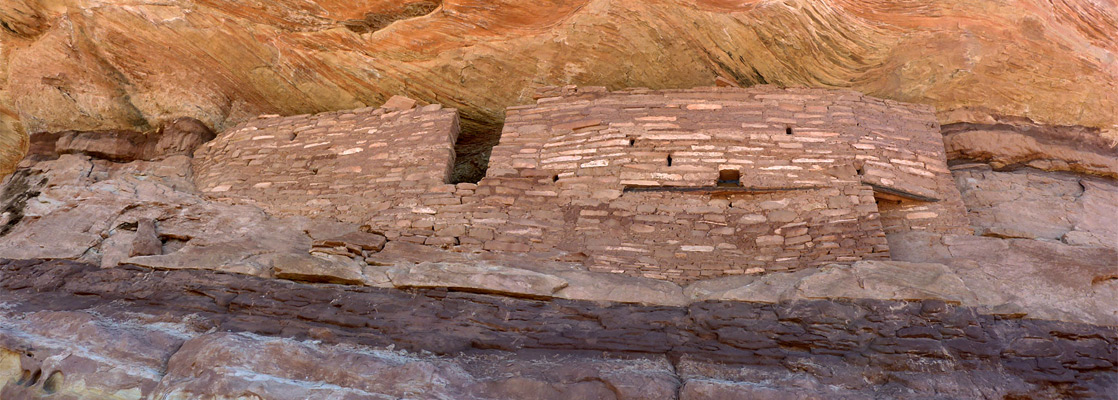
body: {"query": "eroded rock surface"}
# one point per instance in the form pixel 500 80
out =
pixel 148 214
pixel 1031 204
pixel 97 65
pixel 856 348
pixel 1011 144
pixel 173 294
pixel 90 209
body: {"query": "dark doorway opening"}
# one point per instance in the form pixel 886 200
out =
pixel 472 150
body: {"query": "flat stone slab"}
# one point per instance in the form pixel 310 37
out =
pixel 476 277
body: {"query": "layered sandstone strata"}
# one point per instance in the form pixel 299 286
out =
pixel 138 284
pixel 500 347
pixel 179 294
pixel 103 65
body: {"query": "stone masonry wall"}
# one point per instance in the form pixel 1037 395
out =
pixel 774 137
pixel 626 182
pixel 313 164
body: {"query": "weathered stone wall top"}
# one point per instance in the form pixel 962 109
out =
pixel 307 162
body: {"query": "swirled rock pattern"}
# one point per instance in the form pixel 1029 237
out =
pixel 96 64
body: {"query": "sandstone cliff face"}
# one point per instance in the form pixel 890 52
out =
pixel 87 65
pixel 156 290
pixel 134 284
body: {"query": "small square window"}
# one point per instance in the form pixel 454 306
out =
pixel 729 177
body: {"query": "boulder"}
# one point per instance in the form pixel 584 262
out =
pixel 181 136
pixel 399 103
pixel 766 288
pixel 864 279
pixel 602 286
pixel 480 277
pixel 146 242
pixel 108 145
pixel 324 268
pixel 892 280
pixel 357 242
pixel 178 137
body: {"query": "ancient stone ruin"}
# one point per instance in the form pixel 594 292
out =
pixel 492 200
pixel 692 244
pixel 669 184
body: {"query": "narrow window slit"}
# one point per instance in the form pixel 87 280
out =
pixel 669 160
pixel 788 131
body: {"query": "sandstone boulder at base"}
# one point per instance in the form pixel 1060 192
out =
pixel 604 286
pixel 863 279
pixel 357 243
pixel 146 242
pixel 325 268
pixel 479 277
pixel 769 288
pixel 1033 204
pixel 1040 279
pixel 887 280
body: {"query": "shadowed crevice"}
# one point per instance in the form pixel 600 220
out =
pixel 376 21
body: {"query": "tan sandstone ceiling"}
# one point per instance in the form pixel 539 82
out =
pixel 105 64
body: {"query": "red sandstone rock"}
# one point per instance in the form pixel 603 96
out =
pixel 1033 205
pixel 179 330
pixel 322 268
pixel 477 277
pixel 146 242
pixel 63 68
pixel 90 203
pixel 179 137
pixel 398 103
pixel 357 241
pixel 1006 148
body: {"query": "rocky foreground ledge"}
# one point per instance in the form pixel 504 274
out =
pixel 74 330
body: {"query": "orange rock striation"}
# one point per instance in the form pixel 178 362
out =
pixel 102 65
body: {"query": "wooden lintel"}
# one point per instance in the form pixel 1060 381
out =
pixel 717 189
pixel 900 193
